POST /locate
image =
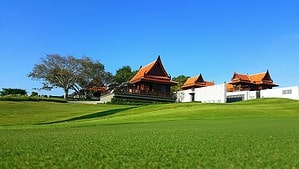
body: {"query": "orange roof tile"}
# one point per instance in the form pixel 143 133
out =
pixel 210 83
pixel 237 77
pixel 196 81
pixel 153 72
pixel 259 78
pixel 142 72
pixel 229 87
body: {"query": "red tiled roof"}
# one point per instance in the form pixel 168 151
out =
pixel 196 81
pixel 259 78
pixel 142 72
pixel 229 87
pixel 240 78
pixel 153 72
pixel 209 83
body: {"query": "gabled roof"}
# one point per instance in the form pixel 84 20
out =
pixel 259 78
pixel 229 87
pixel 237 77
pixel 196 81
pixel 153 72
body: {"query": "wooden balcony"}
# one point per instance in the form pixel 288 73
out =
pixel 144 95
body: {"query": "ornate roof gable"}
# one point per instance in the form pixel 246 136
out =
pixel 154 71
pixel 196 81
pixel 259 78
pixel 237 77
pixel 157 69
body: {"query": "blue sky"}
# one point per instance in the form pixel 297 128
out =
pixel 215 37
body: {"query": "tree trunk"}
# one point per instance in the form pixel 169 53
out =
pixel 66 94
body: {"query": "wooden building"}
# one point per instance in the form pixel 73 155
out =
pixel 152 79
pixel 254 82
pixel 196 82
pixel 151 82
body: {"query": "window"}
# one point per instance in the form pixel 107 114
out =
pixel 163 89
pixel 287 91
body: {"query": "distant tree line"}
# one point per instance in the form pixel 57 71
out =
pixel 83 75
pixel 10 91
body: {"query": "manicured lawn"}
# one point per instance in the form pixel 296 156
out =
pixel 28 113
pixel 255 134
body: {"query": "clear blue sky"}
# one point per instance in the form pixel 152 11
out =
pixel 214 37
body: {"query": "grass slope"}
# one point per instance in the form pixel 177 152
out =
pixel 253 134
pixel 28 113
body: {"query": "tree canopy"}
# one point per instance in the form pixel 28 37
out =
pixel 124 74
pixel 68 72
pixel 9 91
pixel 181 79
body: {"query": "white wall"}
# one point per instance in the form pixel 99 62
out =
pixel 218 94
pixel 285 92
pixel 184 95
pixel 210 94
pixel 106 98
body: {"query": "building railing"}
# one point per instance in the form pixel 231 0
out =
pixel 141 92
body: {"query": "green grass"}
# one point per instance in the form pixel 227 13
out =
pixel 254 134
pixel 29 113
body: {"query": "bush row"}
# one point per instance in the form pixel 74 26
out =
pixel 123 101
pixel 30 98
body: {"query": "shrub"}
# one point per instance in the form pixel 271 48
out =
pixel 10 91
pixel 34 94
pixel 26 98
pixel 123 101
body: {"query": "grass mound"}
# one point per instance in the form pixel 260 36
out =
pixel 253 134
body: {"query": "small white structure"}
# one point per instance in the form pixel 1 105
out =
pixel 285 92
pixel 107 98
pixel 209 94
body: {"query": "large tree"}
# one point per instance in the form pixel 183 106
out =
pixel 67 72
pixel 93 76
pixel 124 74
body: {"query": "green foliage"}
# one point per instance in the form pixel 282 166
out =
pixel 122 101
pixel 68 72
pixel 10 91
pixel 181 80
pixel 31 98
pixel 33 94
pixel 253 134
pixel 124 74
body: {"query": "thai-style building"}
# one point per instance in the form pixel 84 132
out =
pixel 196 82
pixel 152 79
pixel 151 82
pixel 254 82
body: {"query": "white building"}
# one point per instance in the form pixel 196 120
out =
pixel 218 94
pixel 285 92
pixel 209 94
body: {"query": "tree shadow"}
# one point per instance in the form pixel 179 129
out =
pixel 90 116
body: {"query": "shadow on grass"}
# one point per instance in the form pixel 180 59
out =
pixel 90 116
